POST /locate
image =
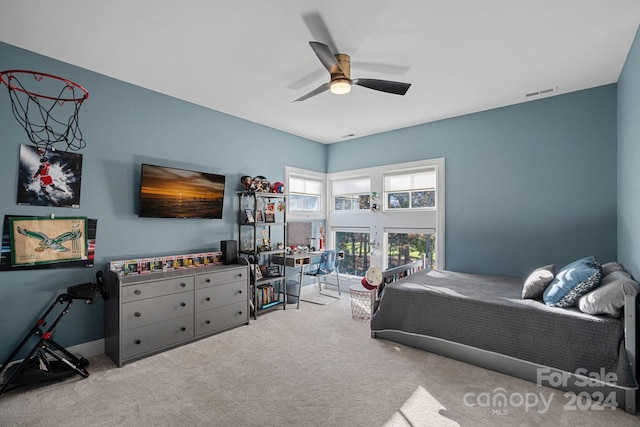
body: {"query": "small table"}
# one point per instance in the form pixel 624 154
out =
pixel 297 260
pixel 304 261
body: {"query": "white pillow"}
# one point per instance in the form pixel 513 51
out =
pixel 610 267
pixel 608 298
pixel 538 281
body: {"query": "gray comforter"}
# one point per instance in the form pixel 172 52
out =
pixel 487 312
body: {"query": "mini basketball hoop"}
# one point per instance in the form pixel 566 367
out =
pixel 47 107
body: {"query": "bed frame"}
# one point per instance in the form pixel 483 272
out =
pixel 600 394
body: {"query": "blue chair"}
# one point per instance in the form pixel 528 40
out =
pixel 328 264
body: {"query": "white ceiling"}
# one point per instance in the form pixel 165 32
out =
pixel 251 58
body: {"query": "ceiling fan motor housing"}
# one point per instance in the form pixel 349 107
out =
pixel 344 61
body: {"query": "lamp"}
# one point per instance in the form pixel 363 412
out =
pixel 340 86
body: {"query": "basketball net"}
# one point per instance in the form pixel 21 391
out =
pixel 50 121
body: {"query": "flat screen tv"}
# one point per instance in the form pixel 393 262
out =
pixel 180 193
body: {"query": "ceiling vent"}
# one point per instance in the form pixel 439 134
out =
pixel 541 92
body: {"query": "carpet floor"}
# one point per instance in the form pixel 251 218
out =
pixel 312 366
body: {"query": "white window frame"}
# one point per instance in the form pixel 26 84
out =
pixel 357 195
pixel 320 214
pixel 377 222
pixel 410 190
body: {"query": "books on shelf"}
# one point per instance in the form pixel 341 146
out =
pixel 267 296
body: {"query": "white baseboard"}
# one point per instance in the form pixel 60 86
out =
pixel 88 349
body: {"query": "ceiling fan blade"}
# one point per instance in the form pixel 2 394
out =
pixel 396 88
pixel 326 57
pixel 314 92
pixel 318 29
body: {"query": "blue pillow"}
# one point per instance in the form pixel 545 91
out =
pixel 572 281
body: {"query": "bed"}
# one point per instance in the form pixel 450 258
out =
pixel 484 320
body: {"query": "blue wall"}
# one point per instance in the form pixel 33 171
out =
pixel 629 162
pixel 526 185
pixel 124 126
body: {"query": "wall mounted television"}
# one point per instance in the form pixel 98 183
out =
pixel 180 193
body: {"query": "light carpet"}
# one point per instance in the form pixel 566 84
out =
pixel 312 366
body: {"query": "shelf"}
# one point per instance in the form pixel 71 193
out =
pixel 267 280
pixel 261 194
pixel 271 305
pixel 252 204
pixel 263 224
pixel 267 224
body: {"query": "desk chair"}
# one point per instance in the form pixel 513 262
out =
pixel 328 264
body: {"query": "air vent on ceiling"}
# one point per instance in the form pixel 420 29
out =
pixel 541 92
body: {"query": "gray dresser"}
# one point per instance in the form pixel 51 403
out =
pixel 151 313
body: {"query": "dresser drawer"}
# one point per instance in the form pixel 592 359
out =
pixel 220 318
pixel 217 296
pixel 146 339
pixel 145 312
pixel 156 288
pixel 221 277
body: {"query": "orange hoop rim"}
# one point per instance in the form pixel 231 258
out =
pixel 10 73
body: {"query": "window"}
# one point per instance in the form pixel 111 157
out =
pixel 414 190
pixel 355 244
pixel 410 225
pixel 351 194
pixel 306 194
pixel 405 246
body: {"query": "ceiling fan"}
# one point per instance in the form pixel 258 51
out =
pixel 339 66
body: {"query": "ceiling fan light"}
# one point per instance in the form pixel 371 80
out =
pixel 340 86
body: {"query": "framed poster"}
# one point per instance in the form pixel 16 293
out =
pixel 42 240
pixel 49 178
pixel 5 253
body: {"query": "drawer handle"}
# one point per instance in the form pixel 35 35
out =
pixel 240 275
pixel 240 291
pixel 137 314
pixel 183 329
pixel 240 313
pixel 207 299
pixel 137 292
pixel 183 304
pixel 138 342
pixel 207 280
pixel 183 285
pixel 208 322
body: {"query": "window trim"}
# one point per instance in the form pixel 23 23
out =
pixel 332 196
pixel 341 219
pixel 320 214
pixel 410 191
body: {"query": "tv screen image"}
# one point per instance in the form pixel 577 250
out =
pixel 180 193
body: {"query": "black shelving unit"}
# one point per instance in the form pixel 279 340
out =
pixel 261 235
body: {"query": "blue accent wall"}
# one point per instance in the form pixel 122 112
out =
pixel 629 162
pixel 124 126
pixel 526 185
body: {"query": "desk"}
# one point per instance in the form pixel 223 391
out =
pixel 304 261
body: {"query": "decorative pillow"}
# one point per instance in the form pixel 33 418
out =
pixel 610 267
pixel 538 281
pixel 615 275
pixel 572 281
pixel 608 298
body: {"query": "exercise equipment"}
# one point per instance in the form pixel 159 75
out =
pixel 48 360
